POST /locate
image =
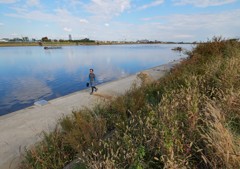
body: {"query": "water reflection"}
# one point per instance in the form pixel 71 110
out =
pixel 31 73
pixel 26 89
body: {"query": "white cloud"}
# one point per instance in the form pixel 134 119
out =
pixel 206 21
pixel 203 3
pixel 61 17
pixel 74 2
pixel 34 15
pixel 32 2
pixel 193 26
pixel 185 36
pixel 96 25
pixel 28 88
pixel 175 27
pixel 152 4
pixel 67 29
pixel 7 1
pixel 1 24
pixel 108 8
pixel 83 21
pixel 14 34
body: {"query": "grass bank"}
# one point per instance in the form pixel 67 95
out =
pixel 188 119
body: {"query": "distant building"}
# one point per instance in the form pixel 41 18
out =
pixel 70 37
pixel 16 40
pixel 143 41
pixel 25 39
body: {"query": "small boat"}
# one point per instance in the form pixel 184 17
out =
pixel 52 47
pixel 177 49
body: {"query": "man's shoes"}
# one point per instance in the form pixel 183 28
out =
pixel 94 90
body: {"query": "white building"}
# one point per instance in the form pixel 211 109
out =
pixel 3 40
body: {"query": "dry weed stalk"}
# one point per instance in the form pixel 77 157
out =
pixel 220 140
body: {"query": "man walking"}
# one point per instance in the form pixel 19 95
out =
pixel 92 81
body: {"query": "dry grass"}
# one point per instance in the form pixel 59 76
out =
pixel 225 150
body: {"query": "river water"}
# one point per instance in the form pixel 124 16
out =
pixel 29 74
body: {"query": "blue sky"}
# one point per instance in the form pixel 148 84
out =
pixel 164 20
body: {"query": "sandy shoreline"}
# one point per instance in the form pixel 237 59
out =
pixel 24 127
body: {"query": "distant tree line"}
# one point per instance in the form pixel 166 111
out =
pixel 45 39
pixel 83 40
